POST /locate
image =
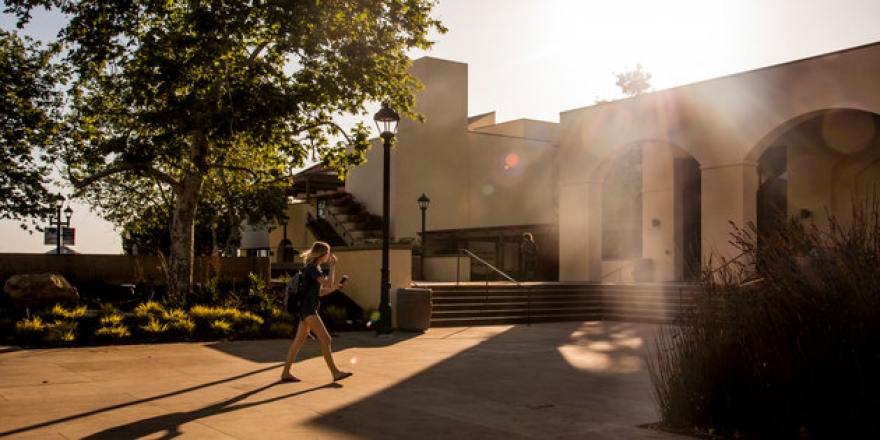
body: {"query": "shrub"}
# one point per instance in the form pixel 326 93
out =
pixel 149 309
pixel 183 327
pixel 108 310
pixel 221 327
pixel 336 315
pixel 59 312
pixel 111 320
pixel 248 319
pixel 208 314
pixel 783 344
pixel 113 332
pixel 31 327
pixel 154 327
pixel 281 330
pixel 61 332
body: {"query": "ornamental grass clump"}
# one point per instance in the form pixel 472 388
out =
pixel 149 309
pixel 30 331
pixel 62 313
pixel 785 341
pixel 61 332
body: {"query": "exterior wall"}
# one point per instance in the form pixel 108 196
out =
pixel 428 158
pixel 725 124
pixel 364 265
pixel 473 179
pixel 297 231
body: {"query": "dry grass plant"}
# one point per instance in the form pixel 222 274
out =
pixel 786 342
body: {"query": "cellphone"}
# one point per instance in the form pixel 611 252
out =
pixel 343 280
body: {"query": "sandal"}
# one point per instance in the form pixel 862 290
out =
pixel 290 379
pixel 342 375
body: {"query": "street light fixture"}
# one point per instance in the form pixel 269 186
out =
pixel 424 201
pixel 68 213
pixel 386 121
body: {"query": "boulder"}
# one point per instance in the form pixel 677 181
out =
pixel 28 290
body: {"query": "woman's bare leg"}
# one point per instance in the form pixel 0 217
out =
pixel 302 332
pixel 323 336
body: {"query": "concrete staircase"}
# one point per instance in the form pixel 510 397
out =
pixel 468 304
pixel 346 223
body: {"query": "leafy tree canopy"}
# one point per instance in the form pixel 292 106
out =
pixel 172 92
pixel 28 100
pixel 634 82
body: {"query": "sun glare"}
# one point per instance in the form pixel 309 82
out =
pixel 676 41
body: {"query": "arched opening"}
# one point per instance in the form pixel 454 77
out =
pixel 821 165
pixel 651 227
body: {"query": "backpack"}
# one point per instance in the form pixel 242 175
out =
pixel 293 294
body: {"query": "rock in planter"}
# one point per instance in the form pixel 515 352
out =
pixel 28 290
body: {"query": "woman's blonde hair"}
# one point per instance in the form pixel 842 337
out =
pixel 318 250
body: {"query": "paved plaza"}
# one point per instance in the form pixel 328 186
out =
pixel 578 380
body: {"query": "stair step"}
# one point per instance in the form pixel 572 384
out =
pixel 506 303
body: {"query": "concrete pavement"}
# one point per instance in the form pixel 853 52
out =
pixel 584 380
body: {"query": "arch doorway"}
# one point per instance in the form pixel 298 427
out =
pixel 824 163
pixel 651 227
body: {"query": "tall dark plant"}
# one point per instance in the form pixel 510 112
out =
pixel 785 343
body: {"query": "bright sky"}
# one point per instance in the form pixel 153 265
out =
pixel 537 58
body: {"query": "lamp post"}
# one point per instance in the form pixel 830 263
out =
pixel 386 121
pixel 424 201
pixel 59 203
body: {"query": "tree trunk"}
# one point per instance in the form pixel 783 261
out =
pixel 180 265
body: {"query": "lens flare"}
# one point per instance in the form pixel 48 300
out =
pixel 511 161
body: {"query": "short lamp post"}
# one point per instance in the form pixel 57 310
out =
pixel 68 213
pixel 386 121
pixel 424 201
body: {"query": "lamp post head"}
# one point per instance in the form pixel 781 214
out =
pixel 424 201
pixel 59 200
pixel 386 121
pixel 68 213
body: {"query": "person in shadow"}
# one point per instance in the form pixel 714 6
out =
pixel 528 251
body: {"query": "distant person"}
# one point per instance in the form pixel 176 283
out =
pixel 314 285
pixel 528 252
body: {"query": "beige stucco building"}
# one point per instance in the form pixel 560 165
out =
pixel 640 189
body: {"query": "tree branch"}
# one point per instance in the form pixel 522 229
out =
pixel 152 172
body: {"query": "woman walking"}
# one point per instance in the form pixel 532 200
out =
pixel 314 286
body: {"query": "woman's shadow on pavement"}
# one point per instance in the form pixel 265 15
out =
pixel 170 424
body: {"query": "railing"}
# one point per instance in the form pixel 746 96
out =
pixel 618 271
pixel 341 229
pixel 337 226
pixel 484 263
pixel 499 272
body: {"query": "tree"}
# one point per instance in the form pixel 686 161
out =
pixel 28 100
pixel 635 82
pixel 173 92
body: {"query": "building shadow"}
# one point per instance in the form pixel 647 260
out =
pixel 541 381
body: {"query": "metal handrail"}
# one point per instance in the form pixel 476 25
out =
pixel 336 224
pixel 618 271
pixel 499 272
pixel 484 263
pixel 346 235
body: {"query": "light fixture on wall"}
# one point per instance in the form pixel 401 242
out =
pixel 655 222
